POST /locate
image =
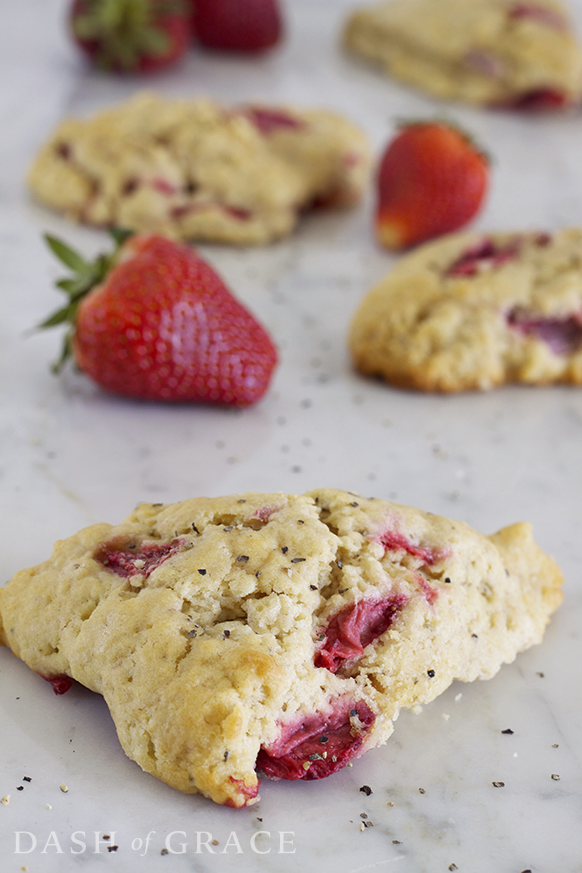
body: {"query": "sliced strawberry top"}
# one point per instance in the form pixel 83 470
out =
pixel 563 335
pixel 142 559
pixel 268 120
pixel 355 627
pixel 318 745
pixel 484 255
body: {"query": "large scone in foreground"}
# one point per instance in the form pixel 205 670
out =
pixel 274 632
pixel 490 52
pixel 195 170
pixel 472 311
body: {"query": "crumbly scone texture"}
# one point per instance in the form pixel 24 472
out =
pixel 487 52
pixel 473 311
pixel 195 170
pixel 257 631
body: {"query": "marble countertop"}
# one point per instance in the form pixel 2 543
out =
pixel 71 456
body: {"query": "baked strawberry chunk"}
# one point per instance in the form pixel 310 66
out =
pixel 395 542
pixel 267 120
pixel 61 683
pixel 131 559
pixel 354 628
pixel 318 745
pixel 540 14
pixel 540 99
pixel 563 335
pixel 248 792
pixel 485 255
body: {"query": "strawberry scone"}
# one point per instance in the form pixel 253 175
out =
pixel 274 633
pixel 196 170
pixel 473 311
pixel 521 55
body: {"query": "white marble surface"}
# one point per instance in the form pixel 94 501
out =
pixel 71 455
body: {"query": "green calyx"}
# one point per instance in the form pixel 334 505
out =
pixel 125 31
pixel 86 275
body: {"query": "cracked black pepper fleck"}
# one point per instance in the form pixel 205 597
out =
pixel 430 674
pixel 498 784
pixel 507 731
pixel 365 789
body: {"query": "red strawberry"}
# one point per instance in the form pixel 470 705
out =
pixel 132 35
pixel 154 321
pixel 238 25
pixel 432 180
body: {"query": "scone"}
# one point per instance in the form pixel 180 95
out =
pixel 523 55
pixel 198 171
pixel 274 633
pixel 472 312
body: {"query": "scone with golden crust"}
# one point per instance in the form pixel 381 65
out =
pixel 274 633
pixel 522 55
pixel 198 171
pixel 472 311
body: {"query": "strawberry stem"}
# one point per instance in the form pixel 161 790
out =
pixel 86 276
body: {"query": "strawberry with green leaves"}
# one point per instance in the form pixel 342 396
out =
pixel 152 320
pixel 432 180
pixel 132 36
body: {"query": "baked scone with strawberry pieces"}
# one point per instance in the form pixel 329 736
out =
pixel 274 633
pixel 195 170
pixel 522 55
pixel 473 311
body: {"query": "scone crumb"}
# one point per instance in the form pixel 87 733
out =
pixel 48 806
pixel 555 777
pixel 498 784
pixel 64 788
pixel 5 800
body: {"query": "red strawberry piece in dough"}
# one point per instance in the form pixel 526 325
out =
pixel 540 14
pixel 432 180
pixel 540 99
pixel 238 25
pixel 61 684
pixel 563 335
pixel 483 256
pixel 267 120
pixel 355 627
pixel 127 558
pixel 318 745
pixel 132 36
pixel 155 321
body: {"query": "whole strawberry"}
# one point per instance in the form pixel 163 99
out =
pixel 432 180
pixel 154 321
pixel 238 25
pixel 132 36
